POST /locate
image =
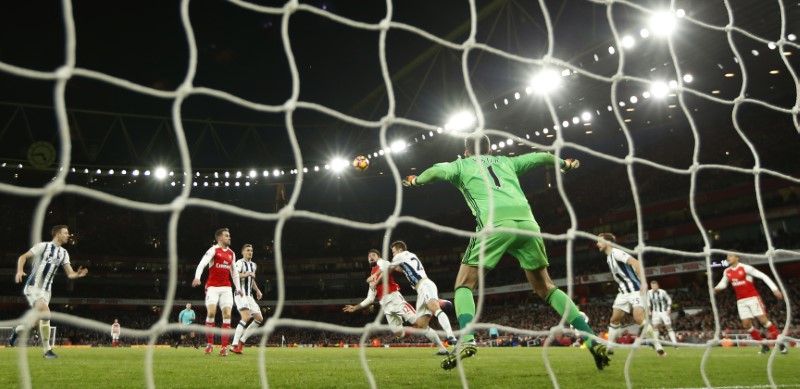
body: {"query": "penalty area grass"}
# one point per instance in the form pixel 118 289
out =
pixel 505 367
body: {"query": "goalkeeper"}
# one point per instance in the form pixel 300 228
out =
pixel 510 210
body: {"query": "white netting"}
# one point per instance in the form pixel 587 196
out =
pixel 468 48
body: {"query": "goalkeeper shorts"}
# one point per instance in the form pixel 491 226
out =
pixel 527 249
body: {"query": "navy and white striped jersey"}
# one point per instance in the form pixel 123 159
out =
pixel 47 258
pixel 623 273
pixel 659 300
pixel 246 267
pixel 409 264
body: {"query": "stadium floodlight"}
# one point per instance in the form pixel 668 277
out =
pixel 546 81
pixel 680 12
pixel 644 33
pixel 586 116
pixel 673 84
pixel 545 131
pixel 575 120
pixel 528 90
pixel 227 174
pixel 253 173
pixel 611 50
pixel 772 45
pixel 316 168
pixel 662 23
pixel 688 78
pixel 98 171
pixel 628 42
pixel 501 145
pixel 565 124
pixel 646 94
pixel 305 170
pixel 338 164
pixel 275 173
pixel 634 99
pixel 111 172
pixel 659 89
pixel 536 133
pixel 791 37
pixel 160 173
pixel 516 96
pixel 461 121
pixel 265 173
pixel 135 172
pixel 509 142
pixel 494 146
pixel 398 146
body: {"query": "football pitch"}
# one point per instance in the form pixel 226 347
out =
pixel 394 368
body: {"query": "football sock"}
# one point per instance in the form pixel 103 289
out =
pixel 210 335
pixel 559 301
pixel 465 310
pixel 238 334
pixel 444 321
pixel 226 324
pixel 773 332
pixel 431 335
pixel 250 329
pixel 754 333
pixel 613 332
pixel 651 334
pixel 672 337
pixel 44 330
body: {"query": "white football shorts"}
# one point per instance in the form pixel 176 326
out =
pixel 221 296
pixel 398 311
pixel 625 302
pixel 657 318
pixel 426 291
pixel 750 307
pixel 33 293
pixel 246 302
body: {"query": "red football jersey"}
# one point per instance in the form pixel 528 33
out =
pixel 219 269
pixel 393 286
pixel 742 281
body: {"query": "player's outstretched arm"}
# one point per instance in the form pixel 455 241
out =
pixel 202 265
pixel 430 175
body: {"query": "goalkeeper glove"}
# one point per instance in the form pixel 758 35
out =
pixel 410 181
pixel 570 164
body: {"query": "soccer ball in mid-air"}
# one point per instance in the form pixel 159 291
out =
pixel 361 163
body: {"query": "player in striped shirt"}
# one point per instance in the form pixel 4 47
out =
pixel 247 305
pixel 220 262
pixel 627 273
pixel 748 300
pixel 428 303
pixel 47 258
pixel 660 309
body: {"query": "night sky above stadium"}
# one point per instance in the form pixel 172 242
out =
pixel 240 51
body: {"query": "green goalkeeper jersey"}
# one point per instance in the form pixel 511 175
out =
pixel 468 175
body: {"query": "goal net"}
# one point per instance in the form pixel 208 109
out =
pixel 33 340
pixel 664 103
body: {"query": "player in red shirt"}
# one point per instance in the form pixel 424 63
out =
pixel 748 300
pixel 397 310
pixel 115 330
pixel 220 262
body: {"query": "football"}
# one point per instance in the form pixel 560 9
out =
pixel 361 163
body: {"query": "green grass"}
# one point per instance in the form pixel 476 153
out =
pixel 393 368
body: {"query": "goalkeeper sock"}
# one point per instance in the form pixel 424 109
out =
pixel 465 310
pixel 44 330
pixel 239 331
pixel 444 321
pixel 559 301
pixel 226 325
pixel 250 329
pixel 210 335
